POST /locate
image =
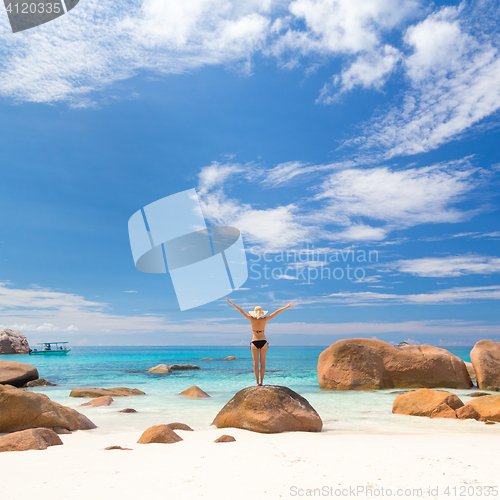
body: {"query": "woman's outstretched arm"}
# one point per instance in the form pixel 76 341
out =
pixel 271 316
pixel 247 316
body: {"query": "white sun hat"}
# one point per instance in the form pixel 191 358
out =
pixel 257 312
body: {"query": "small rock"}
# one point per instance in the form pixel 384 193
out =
pixel 194 392
pixel 29 439
pixel 160 369
pixel 127 410
pixel 159 434
pixel 39 382
pixel 478 394
pixel 184 367
pixel 178 426
pixel 207 358
pixel 116 448
pixel 115 392
pixel 225 438
pixel 490 422
pixel 231 357
pixel 100 401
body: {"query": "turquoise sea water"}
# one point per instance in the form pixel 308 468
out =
pixel 294 367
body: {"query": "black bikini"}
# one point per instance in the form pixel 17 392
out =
pixel 259 344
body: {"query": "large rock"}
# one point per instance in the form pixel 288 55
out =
pixel 115 392
pixel 16 374
pixel 194 392
pixel 30 439
pixel 368 364
pixel 160 369
pixel 13 342
pixel 485 357
pixel 26 410
pixel 427 403
pixel 159 434
pixel 269 409
pixel 487 406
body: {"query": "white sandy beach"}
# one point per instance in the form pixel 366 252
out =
pixel 255 466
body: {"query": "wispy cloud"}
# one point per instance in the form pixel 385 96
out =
pixel 458 265
pixel 272 228
pixel 370 70
pixel 340 26
pixel 41 309
pixel 450 59
pixel 350 204
pixel 452 74
pixel 101 42
pixel 402 198
pixel 38 311
pixel 455 295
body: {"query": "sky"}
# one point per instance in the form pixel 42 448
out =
pixel 354 143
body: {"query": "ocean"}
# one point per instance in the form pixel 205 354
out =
pixel 293 367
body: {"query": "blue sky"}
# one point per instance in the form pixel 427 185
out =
pixel 341 126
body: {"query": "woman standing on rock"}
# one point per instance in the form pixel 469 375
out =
pixel 259 344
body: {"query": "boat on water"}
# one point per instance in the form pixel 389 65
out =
pixel 51 348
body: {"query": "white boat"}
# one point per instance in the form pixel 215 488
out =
pixel 51 348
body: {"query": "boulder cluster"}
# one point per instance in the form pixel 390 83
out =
pixel 368 364
pixel 442 404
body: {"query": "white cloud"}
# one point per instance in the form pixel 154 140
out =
pixel 271 229
pixel 359 232
pixel 459 265
pixel 438 44
pixel 215 175
pixel 392 199
pixel 370 70
pixel 343 26
pixel 40 309
pixel 100 42
pixel 402 198
pixel 284 173
pixel 451 59
pixel 452 76
pixel 457 295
